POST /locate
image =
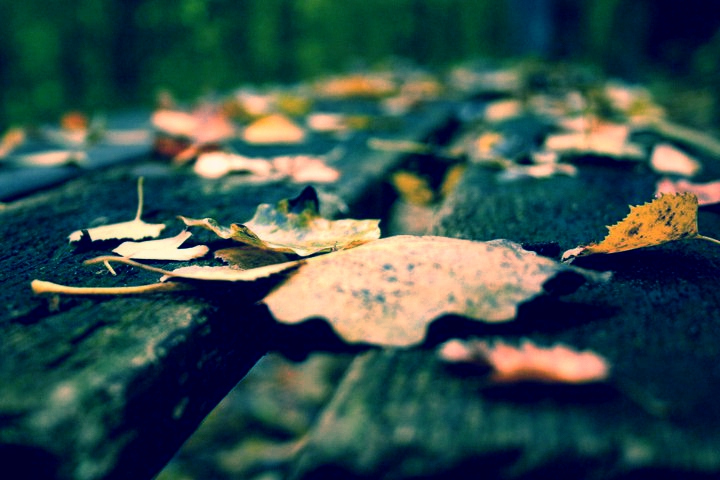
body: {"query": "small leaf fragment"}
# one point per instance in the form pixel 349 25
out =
pixel 665 219
pixel 162 249
pixel 388 291
pixel 528 363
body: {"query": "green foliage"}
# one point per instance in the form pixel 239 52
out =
pixel 101 55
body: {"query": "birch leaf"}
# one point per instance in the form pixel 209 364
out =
pixel 665 219
pixel 295 226
pixel 135 229
pixel 162 249
pixel 528 362
pixel 388 291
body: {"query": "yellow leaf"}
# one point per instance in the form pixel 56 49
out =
pixel 665 219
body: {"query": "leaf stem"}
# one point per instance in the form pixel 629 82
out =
pixel 41 287
pixel 106 259
pixel 709 239
pixel 138 214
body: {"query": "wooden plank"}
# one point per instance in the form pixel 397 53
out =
pixel 400 414
pixel 110 388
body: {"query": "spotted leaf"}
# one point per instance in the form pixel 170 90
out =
pixel 665 219
pixel 387 292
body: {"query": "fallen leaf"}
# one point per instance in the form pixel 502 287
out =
pixel 135 229
pixel 205 125
pixel 356 86
pixel 272 129
pixel 706 193
pixel 162 249
pixel 295 226
pixel 218 164
pixel 11 139
pixel 545 170
pixel 50 158
pixel 665 219
pixel 605 140
pixel 413 188
pixel 181 279
pixel 667 159
pixel 305 169
pixel 528 363
pixel 388 291
pixel 245 257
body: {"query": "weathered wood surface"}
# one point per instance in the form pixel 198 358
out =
pixel 402 414
pixel 111 388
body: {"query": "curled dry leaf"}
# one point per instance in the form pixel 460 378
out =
pixel 388 291
pixel 706 193
pixel 295 226
pixel 162 249
pixel 181 279
pixel 667 159
pixel 245 257
pixel 528 363
pixel 665 219
pixel 135 229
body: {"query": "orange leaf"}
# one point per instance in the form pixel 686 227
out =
pixel 665 219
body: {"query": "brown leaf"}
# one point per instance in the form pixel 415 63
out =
pixel 295 226
pixel 245 257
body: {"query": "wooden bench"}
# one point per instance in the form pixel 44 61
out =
pixel 111 388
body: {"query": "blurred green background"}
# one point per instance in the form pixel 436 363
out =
pixel 106 54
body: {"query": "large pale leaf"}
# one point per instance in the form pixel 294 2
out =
pixel 295 226
pixel 388 291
